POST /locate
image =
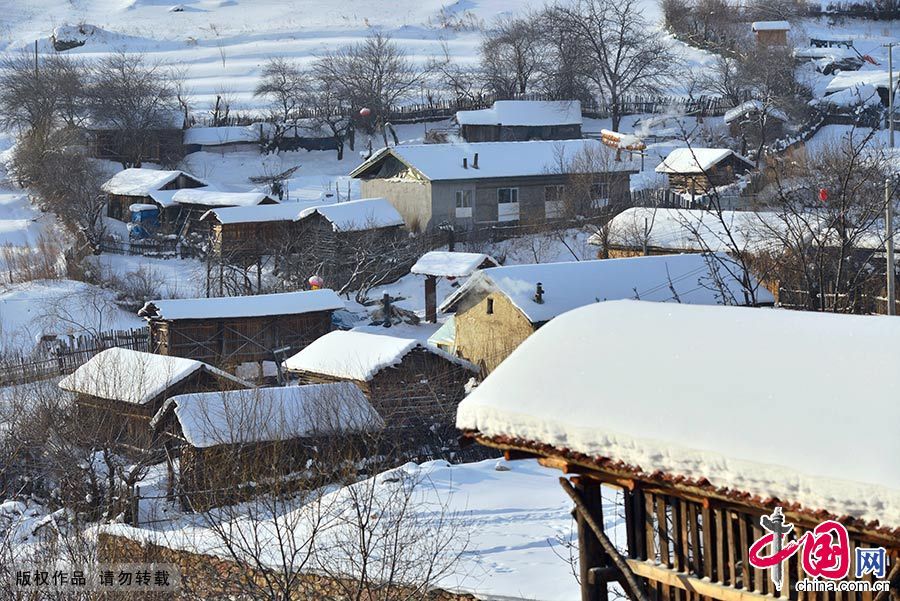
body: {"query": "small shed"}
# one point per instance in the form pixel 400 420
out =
pixel 188 206
pixel 522 120
pixel 498 308
pixel 119 390
pixel 252 231
pixel 408 382
pixel 683 462
pixel 700 170
pixel 447 264
pixel 224 440
pixel 136 185
pixel 771 33
pixel 755 118
pixel 228 331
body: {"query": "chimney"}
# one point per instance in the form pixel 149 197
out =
pixel 465 163
pixel 475 161
pixel 539 294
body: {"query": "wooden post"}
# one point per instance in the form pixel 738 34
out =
pixel 590 553
pixel 431 299
pixel 136 506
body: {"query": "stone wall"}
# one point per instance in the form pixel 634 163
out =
pixel 207 577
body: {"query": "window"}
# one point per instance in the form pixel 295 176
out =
pixel 599 195
pixel 553 201
pixel 507 195
pixel 463 199
pixel 464 203
pixel 490 306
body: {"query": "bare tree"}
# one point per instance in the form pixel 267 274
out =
pixel 625 57
pixel 464 81
pixel 511 55
pixel 284 84
pixel 134 99
pixel 39 95
pixel 375 74
pixel 330 112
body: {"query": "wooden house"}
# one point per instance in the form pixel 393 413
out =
pixel 183 209
pixel 324 229
pixel 700 170
pixel 688 454
pixel 754 119
pixel 224 441
pixel 522 120
pixel 134 186
pixel 498 308
pixel 771 33
pixel 408 382
pixel 450 266
pixel 118 391
pixel 468 185
pixel 640 231
pixel 229 331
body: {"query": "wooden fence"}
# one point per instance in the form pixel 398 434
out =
pixel 436 110
pixel 63 356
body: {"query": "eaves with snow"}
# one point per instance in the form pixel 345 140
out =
pixel 767 406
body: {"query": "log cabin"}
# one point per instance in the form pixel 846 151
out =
pixel 676 470
pixel 771 33
pixel 522 120
pixel 448 265
pixel 230 331
pixel 408 382
pixel 498 308
pixel 118 391
pixel 490 183
pixel 222 441
pixel 701 170
pixel 135 186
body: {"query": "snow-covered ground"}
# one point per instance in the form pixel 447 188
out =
pixel 514 516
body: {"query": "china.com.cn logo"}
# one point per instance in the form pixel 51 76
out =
pixel 824 551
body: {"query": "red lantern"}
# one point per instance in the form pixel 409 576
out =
pixel 315 282
pixel 365 112
pixel 823 194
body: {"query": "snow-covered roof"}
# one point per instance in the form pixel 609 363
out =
pixel 689 229
pixel 532 113
pixel 139 181
pixel 501 159
pixel 770 26
pixel 357 215
pixel 753 106
pixel 566 286
pixel 451 264
pixel 860 95
pixel 358 355
pixel 695 160
pixel 286 211
pixel 260 305
pixel 133 376
pixel 214 136
pixel 216 198
pixel 879 78
pixel 265 414
pixel 799 436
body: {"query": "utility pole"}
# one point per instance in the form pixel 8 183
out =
pixel 888 202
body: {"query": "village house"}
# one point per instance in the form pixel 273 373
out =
pixel 498 308
pixel 408 382
pixel 326 229
pixel 301 134
pixel 450 266
pixel 491 182
pixel 684 450
pixel 230 331
pixel 183 209
pixel 161 144
pixel 118 391
pixel 754 119
pixel 878 79
pixel 700 170
pixel 771 33
pixel 522 120
pixel 134 187
pixel 650 231
pixel 222 440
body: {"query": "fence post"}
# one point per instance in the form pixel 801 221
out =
pixel 136 506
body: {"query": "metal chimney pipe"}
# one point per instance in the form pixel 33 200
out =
pixel 539 294
pixel 475 161
pixel 465 163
